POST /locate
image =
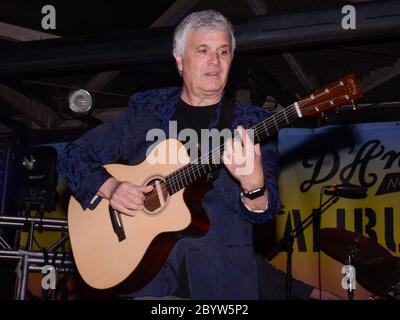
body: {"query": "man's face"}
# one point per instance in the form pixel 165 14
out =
pixel 205 62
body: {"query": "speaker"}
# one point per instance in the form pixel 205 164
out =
pixel 39 178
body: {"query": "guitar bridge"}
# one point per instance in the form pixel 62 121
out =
pixel 117 224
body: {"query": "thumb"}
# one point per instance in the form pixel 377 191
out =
pixel 146 189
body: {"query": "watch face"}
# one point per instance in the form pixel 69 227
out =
pixel 255 193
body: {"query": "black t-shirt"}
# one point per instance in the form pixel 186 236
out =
pixel 192 117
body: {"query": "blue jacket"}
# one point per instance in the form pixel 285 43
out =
pixel 219 265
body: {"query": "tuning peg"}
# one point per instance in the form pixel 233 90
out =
pixel 354 106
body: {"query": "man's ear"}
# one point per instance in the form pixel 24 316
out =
pixel 178 59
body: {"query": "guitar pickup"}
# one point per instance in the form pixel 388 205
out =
pixel 117 224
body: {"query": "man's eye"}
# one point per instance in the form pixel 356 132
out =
pixel 224 52
pixel 202 51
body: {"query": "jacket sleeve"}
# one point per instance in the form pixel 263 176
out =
pixel 248 116
pixel 271 171
pixel 81 162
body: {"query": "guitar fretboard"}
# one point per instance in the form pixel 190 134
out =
pixel 205 164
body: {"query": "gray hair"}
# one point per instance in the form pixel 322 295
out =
pixel 207 20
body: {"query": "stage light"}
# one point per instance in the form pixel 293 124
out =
pixel 80 101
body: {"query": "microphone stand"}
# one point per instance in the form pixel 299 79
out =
pixel 286 243
pixel 350 291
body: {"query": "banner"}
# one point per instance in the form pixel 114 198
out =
pixel 367 155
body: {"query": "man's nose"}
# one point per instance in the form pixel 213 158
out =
pixel 214 58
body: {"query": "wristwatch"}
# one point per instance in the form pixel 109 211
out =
pixel 253 194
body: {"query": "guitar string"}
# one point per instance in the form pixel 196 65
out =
pixel 184 170
pixel 187 169
pixel 190 168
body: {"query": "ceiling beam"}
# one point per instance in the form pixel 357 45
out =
pixel 38 112
pixel 258 7
pixel 174 13
pixel 16 33
pixel 307 80
pixel 379 76
pixel 100 80
pixel 33 109
pixel 170 17
pixel 375 20
pixel 268 83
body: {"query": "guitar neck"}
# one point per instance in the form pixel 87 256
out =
pixel 206 164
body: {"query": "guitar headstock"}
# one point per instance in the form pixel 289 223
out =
pixel 346 90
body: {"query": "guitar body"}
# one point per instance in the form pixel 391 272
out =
pixel 106 262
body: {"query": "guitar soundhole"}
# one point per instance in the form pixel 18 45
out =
pixel 156 199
